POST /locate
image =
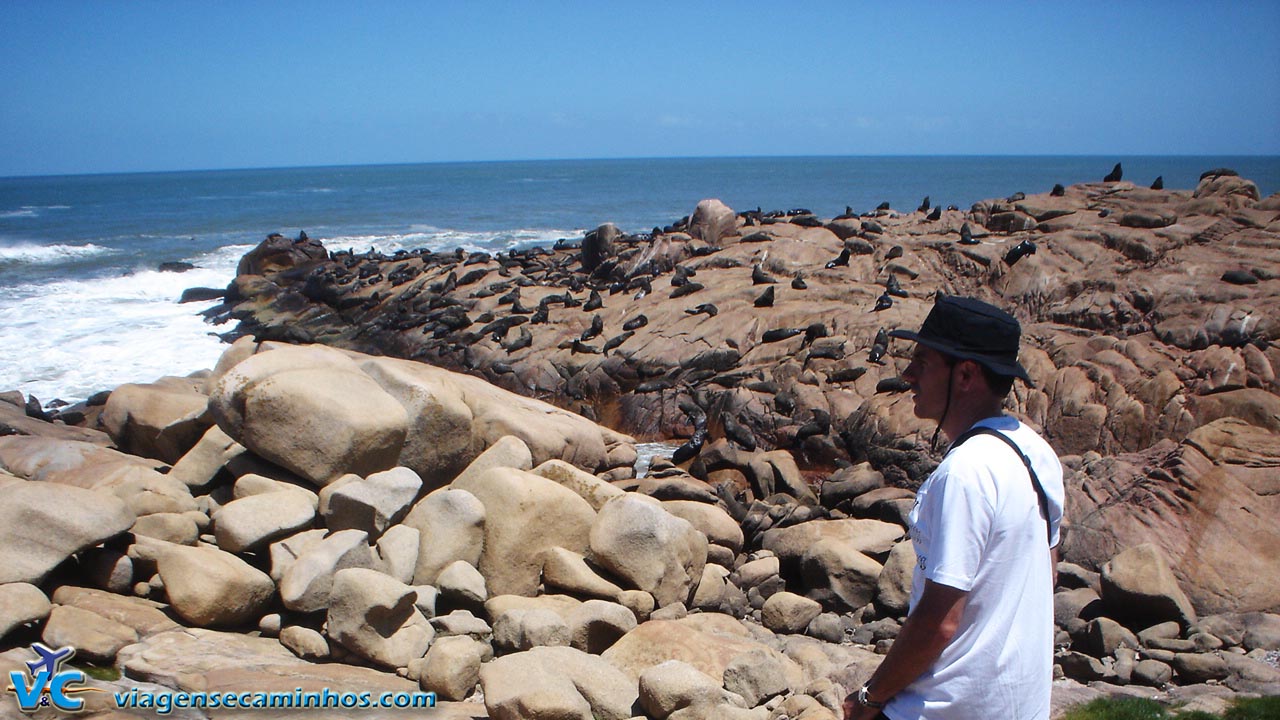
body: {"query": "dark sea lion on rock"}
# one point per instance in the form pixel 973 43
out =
pixel 934 214
pixel 476 258
pixel 1016 197
pixel 499 328
pixel 594 302
pixel 1058 190
pixel 873 227
pixel 650 386
pixel 768 387
pixel 1158 184
pixel 757 237
pixel 798 283
pixel 966 235
pixel 686 289
pixel 1239 277
pixel 766 298
pixel 570 301
pixel 635 323
pixel 924 205
pixel 845 375
pixel 842 260
pixel 892 287
pixel 884 302
pixel 580 347
pixel 892 385
pixel 883 206
pixel 738 434
pixel 819 425
pixel 617 340
pixel 501 368
pixel 813 332
pixel 1219 172
pixel 681 276
pixel 707 309
pixel 642 286
pixel 894 253
pixel 540 316
pixel 778 334
pixel 806 221
pixel 759 276
pixel 826 352
pixel 597 327
pixel 1019 251
pixel 1114 176
pixel 520 343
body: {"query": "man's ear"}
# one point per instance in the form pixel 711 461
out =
pixel 970 375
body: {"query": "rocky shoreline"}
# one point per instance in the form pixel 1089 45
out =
pixel 402 474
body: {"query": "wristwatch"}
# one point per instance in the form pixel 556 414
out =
pixel 865 701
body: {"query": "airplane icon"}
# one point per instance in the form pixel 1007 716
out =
pixel 50 660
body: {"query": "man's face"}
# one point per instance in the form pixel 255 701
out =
pixel 929 374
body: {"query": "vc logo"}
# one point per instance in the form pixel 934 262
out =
pixel 47 683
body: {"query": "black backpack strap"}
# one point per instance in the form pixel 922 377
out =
pixel 1035 480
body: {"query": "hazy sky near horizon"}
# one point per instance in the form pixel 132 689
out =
pixel 113 86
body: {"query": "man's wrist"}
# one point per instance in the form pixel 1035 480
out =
pixel 863 698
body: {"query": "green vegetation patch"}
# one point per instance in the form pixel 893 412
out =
pixel 1127 708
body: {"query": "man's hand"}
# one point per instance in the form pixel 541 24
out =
pixel 854 711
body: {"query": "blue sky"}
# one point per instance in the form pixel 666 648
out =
pixel 126 86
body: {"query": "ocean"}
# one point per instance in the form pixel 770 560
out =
pixel 84 308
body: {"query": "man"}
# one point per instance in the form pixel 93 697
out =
pixel 978 640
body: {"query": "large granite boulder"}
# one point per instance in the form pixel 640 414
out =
pixel 374 616
pixel 450 524
pixel 525 515
pixel 207 587
pixel 311 411
pixel 162 420
pixel 637 540
pixel 44 523
pixel 556 682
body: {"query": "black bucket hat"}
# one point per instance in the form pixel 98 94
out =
pixel 969 329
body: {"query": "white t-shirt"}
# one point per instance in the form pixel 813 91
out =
pixel 977 527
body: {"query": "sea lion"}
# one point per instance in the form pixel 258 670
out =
pixel 924 205
pixel 893 385
pixel 707 309
pixel 842 260
pixel 819 425
pixel 570 301
pixel 766 298
pixel 844 375
pixel 596 327
pixel 813 332
pixel 966 236
pixel 798 283
pixel 1158 184
pixel 1239 277
pixel 759 276
pixel 617 340
pixel 541 316
pixel 892 287
pixel 1016 197
pixel 826 352
pixel 1019 251
pixel 686 289
pixel 756 237
pixel 883 206
pixel 580 347
pixel 1114 176
pixel 777 334
pixel 635 323
pixel 884 302
pixel 594 302
pixel 894 253
pixel 934 214
pixel 811 221
pixel 658 385
pixel 738 434
pixel 1058 190
pixel 520 343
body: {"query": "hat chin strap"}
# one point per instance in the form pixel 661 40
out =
pixel 946 408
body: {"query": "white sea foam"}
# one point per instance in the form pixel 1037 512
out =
pixel 27 211
pixel 441 239
pixel 72 338
pixel 34 254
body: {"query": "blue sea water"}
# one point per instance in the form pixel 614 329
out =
pixel 83 307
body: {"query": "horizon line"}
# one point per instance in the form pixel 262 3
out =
pixel 1119 157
